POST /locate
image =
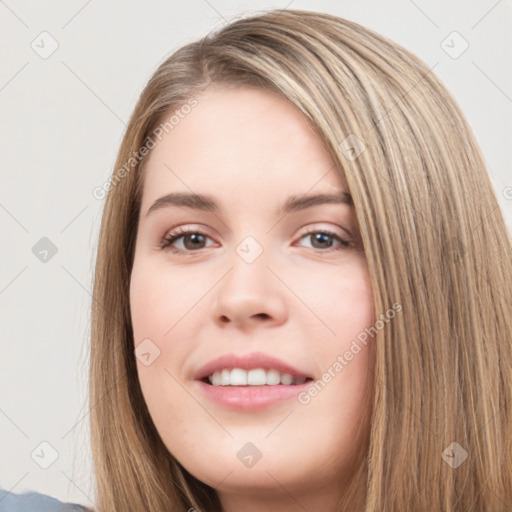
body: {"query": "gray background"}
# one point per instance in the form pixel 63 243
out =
pixel 62 119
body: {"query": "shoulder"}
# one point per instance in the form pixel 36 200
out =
pixel 34 502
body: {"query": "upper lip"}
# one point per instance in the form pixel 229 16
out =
pixel 247 362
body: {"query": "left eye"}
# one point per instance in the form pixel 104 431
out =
pixel 194 240
pixel 323 239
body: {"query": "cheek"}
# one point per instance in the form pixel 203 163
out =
pixel 355 300
pixel 340 303
pixel 162 335
pixel 346 346
pixel 158 300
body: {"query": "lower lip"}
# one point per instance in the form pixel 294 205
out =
pixel 250 398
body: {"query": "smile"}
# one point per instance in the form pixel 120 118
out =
pixel 254 377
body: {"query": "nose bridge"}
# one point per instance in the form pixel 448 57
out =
pixel 249 275
pixel 249 290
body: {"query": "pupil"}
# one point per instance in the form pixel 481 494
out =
pixel 324 236
pixel 194 239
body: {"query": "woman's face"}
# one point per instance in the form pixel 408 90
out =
pixel 273 284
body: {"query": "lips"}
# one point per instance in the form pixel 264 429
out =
pixel 248 362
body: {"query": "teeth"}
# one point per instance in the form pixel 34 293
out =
pixel 238 377
pixel 286 379
pixel 255 377
pixel 225 379
pixel 272 378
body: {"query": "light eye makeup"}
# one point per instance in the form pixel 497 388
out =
pixel 321 240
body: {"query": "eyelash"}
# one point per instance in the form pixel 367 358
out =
pixel 167 241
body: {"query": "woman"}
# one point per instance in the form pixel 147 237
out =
pixel 303 290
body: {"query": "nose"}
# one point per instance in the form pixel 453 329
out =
pixel 249 295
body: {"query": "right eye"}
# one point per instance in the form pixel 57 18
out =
pixel 193 240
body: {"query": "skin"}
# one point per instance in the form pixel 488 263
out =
pixel 300 301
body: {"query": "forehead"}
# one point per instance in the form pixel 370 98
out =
pixel 239 140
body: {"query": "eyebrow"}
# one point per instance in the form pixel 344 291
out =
pixel 208 203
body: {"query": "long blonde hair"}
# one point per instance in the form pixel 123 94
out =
pixel 434 238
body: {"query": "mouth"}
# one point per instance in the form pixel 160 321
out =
pixel 254 377
pixel 248 382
